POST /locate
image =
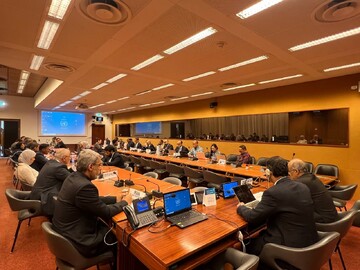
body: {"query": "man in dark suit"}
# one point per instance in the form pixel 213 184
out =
pixel 40 158
pixel 112 157
pixel 79 206
pixel 50 180
pixel 149 146
pixel 324 208
pixel 137 144
pixel 130 144
pixel 181 150
pixel 286 208
pixel 167 147
pixel 60 143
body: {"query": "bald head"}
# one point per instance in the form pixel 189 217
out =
pixel 296 168
pixel 62 155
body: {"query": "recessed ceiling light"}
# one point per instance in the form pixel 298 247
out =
pixel 58 8
pixel 47 34
pixel 123 98
pixel 85 93
pixel 148 62
pixel 256 8
pixel 238 87
pixel 202 94
pixel 102 104
pixel 191 40
pixel 342 67
pixel 180 98
pixel 162 86
pixel 144 105
pixel 159 102
pixel 143 93
pixel 24 76
pixel 111 101
pixel 244 63
pixel 76 97
pixel 281 79
pixel 100 86
pixel 117 77
pixel 199 76
pixel 319 41
pixel 36 62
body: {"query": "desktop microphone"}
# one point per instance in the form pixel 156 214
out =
pixel 156 193
pixel 293 156
pixel 118 182
pixel 131 183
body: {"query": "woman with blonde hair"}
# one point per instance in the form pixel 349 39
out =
pixel 24 172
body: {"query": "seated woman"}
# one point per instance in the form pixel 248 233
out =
pixel 24 172
pixel 214 152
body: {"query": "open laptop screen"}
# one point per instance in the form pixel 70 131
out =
pixel 228 189
pixel 177 201
pixel 243 193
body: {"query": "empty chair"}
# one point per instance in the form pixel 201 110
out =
pixel 145 164
pixel 196 189
pixel 175 170
pixel 232 158
pixel 307 258
pixel 152 174
pixel 66 255
pixel 130 169
pixel 262 161
pixel 356 207
pixel 213 179
pixel 173 180
pixel 238 260
pixel 342 194
pixel 159 168
pixel 193 176
pixel 137 164
pixel 340 226
pixel 309 166
pixel 27 209
pixel 327 169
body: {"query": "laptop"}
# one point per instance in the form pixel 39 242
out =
pixel 177 208
pixel 171 152
pixel 244 194
pixel 200 155
pixel 143 212
pixel 228 189
pixel 218 157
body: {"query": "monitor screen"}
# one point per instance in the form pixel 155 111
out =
pixel 148 128
pixel 62 123
pixel 177 201
pixel 228 189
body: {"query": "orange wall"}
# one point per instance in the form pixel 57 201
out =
pixel 318 95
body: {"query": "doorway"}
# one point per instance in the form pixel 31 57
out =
pixel 177 130
pixel 9 133
pixel 97 132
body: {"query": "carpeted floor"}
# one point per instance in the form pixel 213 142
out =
pixel 31 251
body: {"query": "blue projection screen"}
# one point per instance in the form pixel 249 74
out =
pixel 62 123
pixel 148 128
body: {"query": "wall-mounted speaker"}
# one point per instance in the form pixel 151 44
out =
pixel 213 104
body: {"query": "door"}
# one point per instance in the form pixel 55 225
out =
pixel 10 132
pixel 177 130
pixel 97 132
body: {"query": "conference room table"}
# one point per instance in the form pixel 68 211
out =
pixel 170 247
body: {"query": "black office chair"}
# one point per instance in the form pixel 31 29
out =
pixel 231 159
pixel 159 168
pixel 175 170
pixel 342 194
pixel 27 209
pixel 67 257
pixel 262 161
pixel 356 207
pixel 238 260
pixel 213 179
pixel 340 226
pixel 145 164
pixel 194 176
pixel 327 169
pixel 309 166
pixel 307 258
pixel 137 164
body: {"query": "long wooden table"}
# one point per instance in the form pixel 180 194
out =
pixel 174 248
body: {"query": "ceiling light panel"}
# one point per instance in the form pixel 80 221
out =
pixel 159 102
pixel 334 37
pixel 281 79
pixel 47 34
pixel 117 77
pixel 239 87
pixel 244 63
pixel 36 62
pixel 123 98
pixel 202 94
pixel 163 86
pixel 143 93
pixel 191 40
pixel 100 86
pixel 85 93
pixel 24 76
pixel 180 98
pixel 342 67
pixel 144 105
pixel 256 8
pixel 148 62
pixel 199 76
pixel 58 8
pixel 111 101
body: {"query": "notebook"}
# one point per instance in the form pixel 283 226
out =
pixel 244 194
pixel 144 212
pixel 228 189
pixel 177 208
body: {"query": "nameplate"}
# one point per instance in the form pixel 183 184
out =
pixel 209 198
pixel 110 175
pixel 222 162
pixel 137 194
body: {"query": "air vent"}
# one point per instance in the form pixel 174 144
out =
pixel 337 10
pixel 111 12
pixel 58 67
pixel 228 84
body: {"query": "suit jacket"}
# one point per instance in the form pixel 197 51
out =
pixel 48 184
pixel 287 209
pixel 77 210
pixel 130 144
pixel 138 145
pixel 324 208
pixel 60 145
pixel 182 150
pixel 116 160
pixel 151 147
pixel 39 161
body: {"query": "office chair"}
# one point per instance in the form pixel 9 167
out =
pixel 27 209
pixel 159 168
pixel 152 174
pixel 356 207
pixel 342 194
pixel 340 226
pixel 126 159
pixel 137 164
pixel 196 189
pixel 128 168
pixel 145 164
pixel 238 260
pixel 309 166
pixel 262 161
pixel 67 257
pixel 175 170
pixel 193 176
pixel 327 169
pixel 213 179
pixel 173 180
pixel 25 186
pixel 309 258
pixel 232 158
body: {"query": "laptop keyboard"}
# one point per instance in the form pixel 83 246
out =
pixel 190 216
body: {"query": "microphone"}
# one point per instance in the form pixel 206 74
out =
pixel 147 180
pixel 118 182
pixel 157 193
pixel 293 156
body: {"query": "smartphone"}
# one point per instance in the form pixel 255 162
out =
pixel 193 199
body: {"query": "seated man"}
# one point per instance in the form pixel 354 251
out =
pixel 196 148
pixel 302 140
pixel 167 146
pixel 60 143
pixel 98 146
pixel 287 209
pixel 244 157
pixel 137 144
pixel 324 208
pixel 79 206
pixel 112 157
pixel 130 144
pixel 181 150
pixel 50 180
pixel 149 146
pixel 40 159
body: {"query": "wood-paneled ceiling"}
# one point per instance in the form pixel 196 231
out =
pixel 86 52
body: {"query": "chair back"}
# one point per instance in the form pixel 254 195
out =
pixel 18 200
pixel 135 160
pixel 356 207
pixel 197 189
pixel 327 169
pixel 213 179
pixel 343 192
pixel 128 168
pixel 191 173
pixel 262 161
pixel 232 158
pixel 173 180
pixel 172 168
pixel 309 166
pixel 309 258
pixel 152 174
pixel 144 162
pixel 156 165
